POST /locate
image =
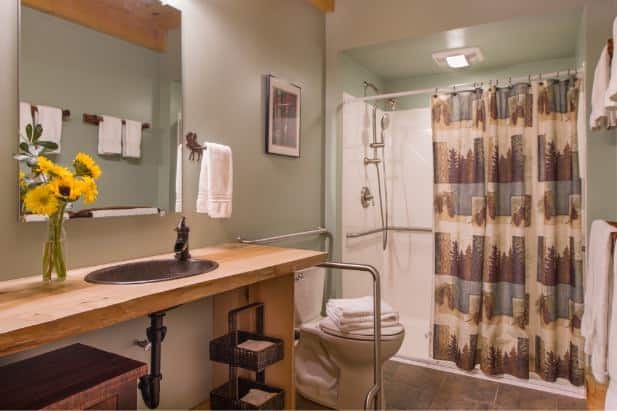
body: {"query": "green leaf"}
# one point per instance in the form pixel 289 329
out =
pixel 50 145
pixel 24 147
pixel 38 132
pixel 29 131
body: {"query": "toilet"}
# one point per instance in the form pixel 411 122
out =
pixel 333 368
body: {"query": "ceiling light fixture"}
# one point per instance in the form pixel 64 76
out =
pixel 458 61
pixel 458 58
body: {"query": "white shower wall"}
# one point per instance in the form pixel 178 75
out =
pixel 406 266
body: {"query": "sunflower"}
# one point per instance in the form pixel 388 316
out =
pixel 41 200
pixel 86 166
pixel 66 188
pixel 88 190
pixel 49 168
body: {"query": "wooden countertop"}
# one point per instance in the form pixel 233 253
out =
pixel 33 313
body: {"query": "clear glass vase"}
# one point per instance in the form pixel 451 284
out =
pixel 54 265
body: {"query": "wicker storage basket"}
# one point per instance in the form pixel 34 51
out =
pixel 224 349
pixel 222 398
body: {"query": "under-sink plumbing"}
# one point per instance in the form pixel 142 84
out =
pixel 150 384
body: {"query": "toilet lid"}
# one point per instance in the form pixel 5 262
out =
pixel 387 333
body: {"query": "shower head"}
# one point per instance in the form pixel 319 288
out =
pixel 385 122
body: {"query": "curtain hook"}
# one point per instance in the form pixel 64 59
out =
pixel 510 81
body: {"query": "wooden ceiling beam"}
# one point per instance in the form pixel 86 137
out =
pixel 144 26
pixel 327 6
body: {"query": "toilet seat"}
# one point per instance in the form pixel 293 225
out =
pixel 387 333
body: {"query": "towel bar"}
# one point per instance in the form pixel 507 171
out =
pixel 96 119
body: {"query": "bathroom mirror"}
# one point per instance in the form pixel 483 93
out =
pixel 104 78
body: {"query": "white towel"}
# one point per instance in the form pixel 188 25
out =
pixel 25 117
pixel 356 307
pixel 610 97
pixel 131 139
pixel 178 206
pixel 340 320
pixel 611 393
pixel 257 397
pixel 600 116
pixel 50 118
pixel 215 182
pixel 594 326
pixel 110 135
pixel 364 323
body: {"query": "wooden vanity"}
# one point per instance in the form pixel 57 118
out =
pixel 33 313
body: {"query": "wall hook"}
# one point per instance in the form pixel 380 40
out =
pixel 196 148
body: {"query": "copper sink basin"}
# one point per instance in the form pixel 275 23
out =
pixel 150 271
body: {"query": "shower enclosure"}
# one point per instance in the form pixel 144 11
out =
pixel 401 245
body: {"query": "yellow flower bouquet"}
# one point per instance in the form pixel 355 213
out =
pixel 48 189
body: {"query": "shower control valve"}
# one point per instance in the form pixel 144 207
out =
pixel 366 198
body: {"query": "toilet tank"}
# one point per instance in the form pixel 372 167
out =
pixel 309 287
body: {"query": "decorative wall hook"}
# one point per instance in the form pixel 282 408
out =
pixel 196 148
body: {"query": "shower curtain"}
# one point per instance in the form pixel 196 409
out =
pixel 508 236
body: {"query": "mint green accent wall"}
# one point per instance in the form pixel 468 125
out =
pixel 470 76
pixel 228 47
pixel 354 74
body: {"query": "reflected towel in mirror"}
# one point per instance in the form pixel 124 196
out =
pixel 110 135
pixel 131 139
pixel 50 118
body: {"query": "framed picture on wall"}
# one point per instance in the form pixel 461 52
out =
pixel 283 122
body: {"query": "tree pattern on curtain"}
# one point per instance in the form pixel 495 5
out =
pixel 508 256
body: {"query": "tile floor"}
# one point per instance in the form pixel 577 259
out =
pixel 411 387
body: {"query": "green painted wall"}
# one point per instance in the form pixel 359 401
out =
pixel 228 48
pixel 353 75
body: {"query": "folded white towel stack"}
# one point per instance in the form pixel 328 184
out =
pixel 357 313
pixel 25 117
pixel 215 189
pixel 110 135
pixel 50 118
pixel 131 139
pixel 599 274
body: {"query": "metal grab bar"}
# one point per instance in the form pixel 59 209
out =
pixel 285 236
pixel 374 395
pixel 392 228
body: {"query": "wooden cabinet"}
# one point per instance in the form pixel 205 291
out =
pixel 76 377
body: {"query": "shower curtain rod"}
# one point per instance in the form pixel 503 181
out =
pixel 577 72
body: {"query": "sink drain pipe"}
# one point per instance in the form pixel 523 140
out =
pixel 150 384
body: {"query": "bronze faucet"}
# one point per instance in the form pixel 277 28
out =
pixel 182 241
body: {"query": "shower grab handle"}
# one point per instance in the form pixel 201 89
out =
pixel 374 395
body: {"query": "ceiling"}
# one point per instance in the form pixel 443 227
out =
pixel 515 41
